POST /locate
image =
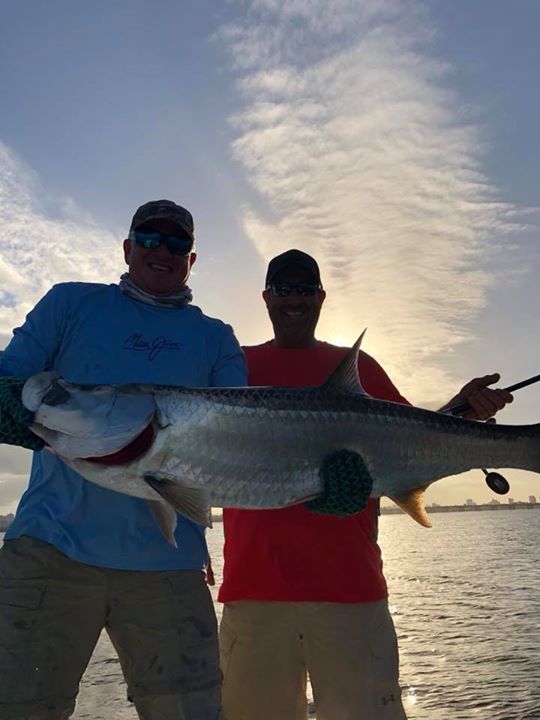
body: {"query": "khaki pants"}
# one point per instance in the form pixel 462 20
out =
pixel 52 611
pixel 349 651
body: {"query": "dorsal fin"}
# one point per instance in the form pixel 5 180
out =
pixel 345 376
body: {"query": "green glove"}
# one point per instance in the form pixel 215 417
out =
pixel 14 417
pixel 347 485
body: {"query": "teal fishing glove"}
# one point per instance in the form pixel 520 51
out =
pixel 14 417
pixel 347 485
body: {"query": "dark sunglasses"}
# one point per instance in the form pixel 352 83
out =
pixel 176 245
pixel 284 289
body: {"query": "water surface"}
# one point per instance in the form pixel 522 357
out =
pixel 465 598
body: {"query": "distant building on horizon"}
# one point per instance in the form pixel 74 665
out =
pixel 532 499
pixel 511 501
pixel 494 501
pixel 470 501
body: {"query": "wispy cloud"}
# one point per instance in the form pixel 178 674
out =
pixel 351 133
pixel 13 476
pixel 12 487
pixel 43 240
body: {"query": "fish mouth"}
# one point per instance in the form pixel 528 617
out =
pixel 133 450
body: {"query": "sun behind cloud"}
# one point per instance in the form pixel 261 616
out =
pixel 364 156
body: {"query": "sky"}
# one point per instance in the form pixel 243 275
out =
pixel 394 140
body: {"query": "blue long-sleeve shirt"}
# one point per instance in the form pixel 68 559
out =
pixel 93 334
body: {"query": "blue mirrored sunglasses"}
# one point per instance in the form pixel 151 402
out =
pixel 176 245
pixel 284 289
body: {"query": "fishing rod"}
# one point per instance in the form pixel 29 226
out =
pixel 494 480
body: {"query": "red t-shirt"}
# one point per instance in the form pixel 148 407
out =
pixel 293 554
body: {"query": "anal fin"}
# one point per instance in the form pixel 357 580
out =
pixel 188 501
pixel 413 504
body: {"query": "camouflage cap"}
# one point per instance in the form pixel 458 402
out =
pixel 164 210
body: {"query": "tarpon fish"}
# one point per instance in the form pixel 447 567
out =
pixel 186 450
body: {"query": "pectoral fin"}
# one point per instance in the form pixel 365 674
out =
pixel 191 502
pixel 165 517
pixel 413 504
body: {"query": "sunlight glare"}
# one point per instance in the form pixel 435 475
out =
pixel 410 697
pixel 340 340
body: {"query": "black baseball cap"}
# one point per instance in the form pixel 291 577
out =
pixel 293 258
pixel 164 210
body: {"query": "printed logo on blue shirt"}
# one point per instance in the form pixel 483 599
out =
pixel 153 348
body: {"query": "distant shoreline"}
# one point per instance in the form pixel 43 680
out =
pixel 467 508
pixel 430 509
pixel 448 508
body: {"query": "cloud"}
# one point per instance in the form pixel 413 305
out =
pixel 13 477
pixel 43 240
pixel 364 156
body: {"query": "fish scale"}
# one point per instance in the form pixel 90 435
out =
pixel 264 447
pixel 424 446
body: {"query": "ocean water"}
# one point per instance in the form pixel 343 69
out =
pixel 465 597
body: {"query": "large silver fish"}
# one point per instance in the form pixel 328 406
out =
pixel 260 447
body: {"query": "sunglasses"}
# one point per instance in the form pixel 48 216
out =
pixel 176 245
pixel 284 289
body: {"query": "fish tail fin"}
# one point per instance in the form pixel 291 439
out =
pixel 413 504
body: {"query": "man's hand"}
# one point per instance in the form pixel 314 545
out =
pixel 484 401
pixel 14 417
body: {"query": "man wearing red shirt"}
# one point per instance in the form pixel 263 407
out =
pixel 304 592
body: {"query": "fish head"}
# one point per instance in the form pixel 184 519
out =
pixel 79 421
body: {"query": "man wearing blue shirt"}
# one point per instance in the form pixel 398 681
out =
pixel 79 558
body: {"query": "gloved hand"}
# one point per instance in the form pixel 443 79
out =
pixel 347 485
pixel 14 417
